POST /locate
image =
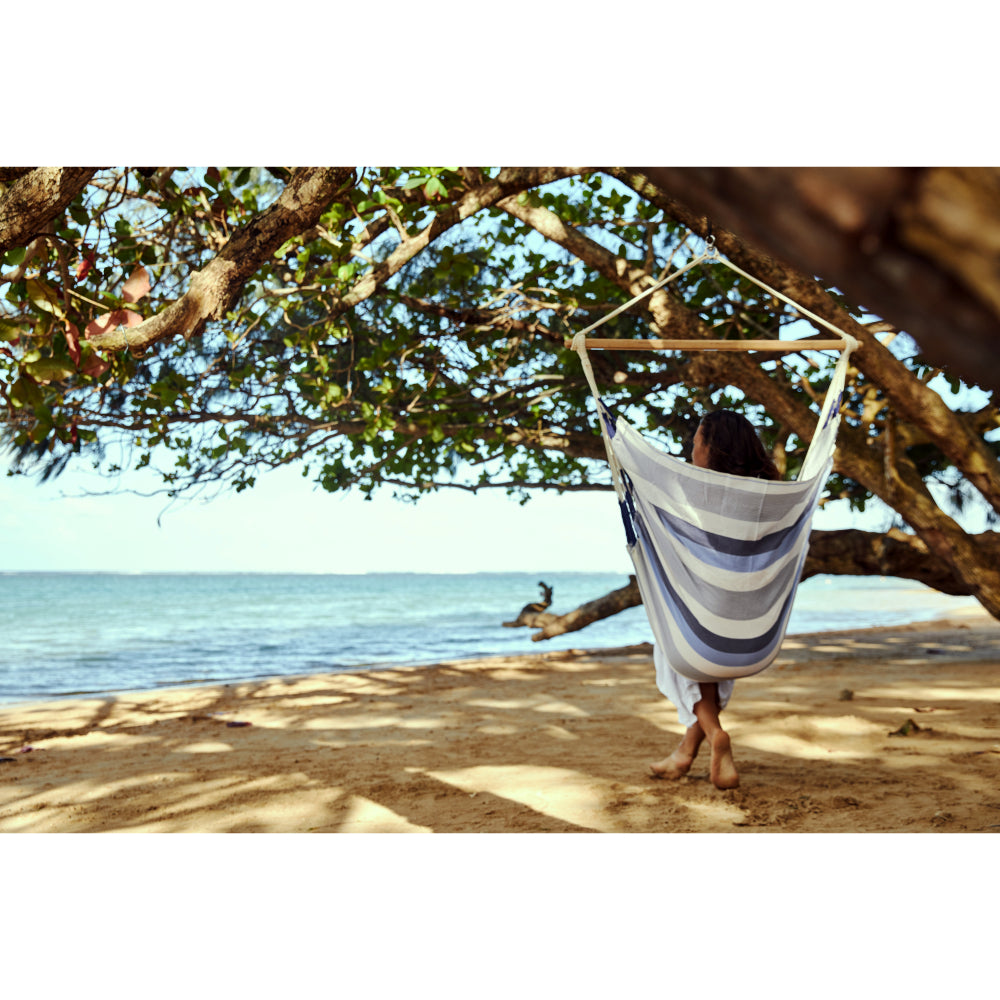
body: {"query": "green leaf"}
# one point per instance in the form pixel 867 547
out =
pixel 25 392
pixel 15 256
pixel 44 297
pixel 49 369
pixel 9 332
pixel 434 186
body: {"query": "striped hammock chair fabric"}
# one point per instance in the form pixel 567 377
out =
pixel 717 557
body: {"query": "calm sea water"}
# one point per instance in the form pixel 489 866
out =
pixel 75 634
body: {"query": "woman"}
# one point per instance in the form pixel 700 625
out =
pixel 726 442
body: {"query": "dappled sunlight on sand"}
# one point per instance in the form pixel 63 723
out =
pixel 934 693
pixel 502 704
pixel 563 708
pixel 205 746
pixel 365 816
pixel 791 745
pixel 559 792
pixel 885 737
pixel 718 813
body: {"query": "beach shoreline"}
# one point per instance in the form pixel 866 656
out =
pixel 958 618
pixel 889 729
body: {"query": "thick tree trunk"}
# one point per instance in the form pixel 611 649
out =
pixel 849 552
pixel 35 198
pixel 917 246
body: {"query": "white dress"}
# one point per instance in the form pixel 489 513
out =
pixel 683 692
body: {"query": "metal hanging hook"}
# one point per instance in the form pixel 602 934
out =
pixel 710 248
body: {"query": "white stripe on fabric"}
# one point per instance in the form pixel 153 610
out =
pixel 730 590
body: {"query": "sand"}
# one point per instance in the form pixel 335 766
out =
pixel 888 730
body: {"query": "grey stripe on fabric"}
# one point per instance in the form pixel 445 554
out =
pixel 770 547
pixel 715 642
pixel 744 605
pixel 730 496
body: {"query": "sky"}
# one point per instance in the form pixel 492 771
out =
pixel 285 524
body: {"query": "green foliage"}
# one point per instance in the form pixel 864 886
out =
pixel 453 371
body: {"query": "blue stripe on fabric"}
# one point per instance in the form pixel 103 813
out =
pixel 715 648
pixel 608 417
pixel 627 507
pixel 623 506
pixel 736 554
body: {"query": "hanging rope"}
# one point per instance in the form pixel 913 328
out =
pixel 845 342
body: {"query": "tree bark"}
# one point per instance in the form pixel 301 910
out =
pixel 917 246
pixel 601 607
pixel 214 290
pixel 851 552
pixel 848 552
pixel 35 198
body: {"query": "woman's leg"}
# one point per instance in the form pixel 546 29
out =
pixel 723 768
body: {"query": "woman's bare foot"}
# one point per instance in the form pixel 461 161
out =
pixel 679 762
pixel 675 766
pixel 723 768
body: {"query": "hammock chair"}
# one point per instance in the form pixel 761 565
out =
pixel 717 556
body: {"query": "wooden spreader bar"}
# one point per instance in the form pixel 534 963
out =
pixel 642 344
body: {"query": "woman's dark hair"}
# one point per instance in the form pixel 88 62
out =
pixel 733 446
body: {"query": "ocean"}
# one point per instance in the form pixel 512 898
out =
pixel 91 634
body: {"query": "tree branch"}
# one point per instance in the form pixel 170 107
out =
pixel 510 180
pixel 844 553
pixel 912 244
pixel 665 311
pixel 214 290
pixel 35 198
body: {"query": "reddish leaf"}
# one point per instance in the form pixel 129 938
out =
pixel 94 366
pixel 111 321
pixel 86 265
pixel 137 285
pixel 73 342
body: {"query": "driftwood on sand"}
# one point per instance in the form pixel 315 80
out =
pixel 534 615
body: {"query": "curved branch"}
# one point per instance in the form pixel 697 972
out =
pixel 852 552
pixel 849 552
pixel 214 290
pixel 509 181
pixel 665 311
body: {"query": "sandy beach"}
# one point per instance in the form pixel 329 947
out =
pixel 879 730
